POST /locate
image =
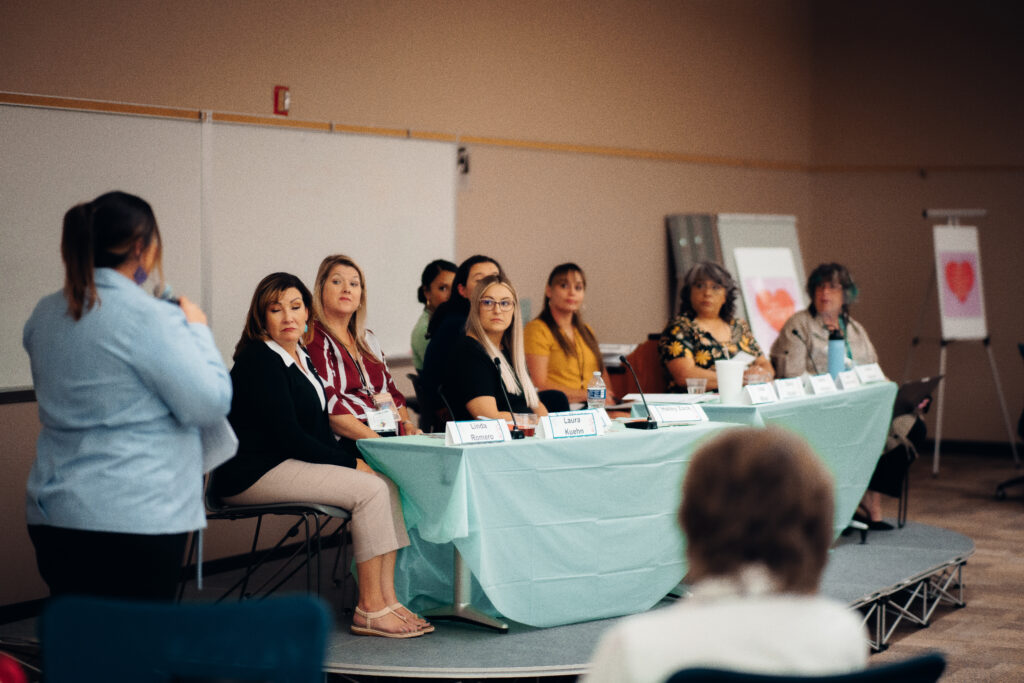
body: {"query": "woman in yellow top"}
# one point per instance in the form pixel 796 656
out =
pixel 561 350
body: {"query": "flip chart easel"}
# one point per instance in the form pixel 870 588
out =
pixel 957 275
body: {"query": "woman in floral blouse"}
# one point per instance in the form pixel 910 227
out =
pixel 706 330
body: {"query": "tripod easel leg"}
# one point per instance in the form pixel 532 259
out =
pixel 940 404
pixel 1002 402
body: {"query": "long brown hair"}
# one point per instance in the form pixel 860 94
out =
pixel 103 234
pixel 267 292
pixel 558 275
pixel 357 323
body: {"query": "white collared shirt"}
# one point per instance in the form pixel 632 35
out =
pixel 305 367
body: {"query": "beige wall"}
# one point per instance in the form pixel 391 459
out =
pixel 797 83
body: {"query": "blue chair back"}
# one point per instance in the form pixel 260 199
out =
pixel 95 639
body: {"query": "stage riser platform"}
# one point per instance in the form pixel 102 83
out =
pixel 899 577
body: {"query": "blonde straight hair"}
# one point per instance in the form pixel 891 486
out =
pixel 357 323
pixel 514 377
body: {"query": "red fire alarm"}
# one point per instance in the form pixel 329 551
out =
pixel 282 100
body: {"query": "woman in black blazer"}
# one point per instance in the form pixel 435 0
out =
pixel 287 451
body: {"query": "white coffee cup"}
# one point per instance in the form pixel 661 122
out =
pixel 730 380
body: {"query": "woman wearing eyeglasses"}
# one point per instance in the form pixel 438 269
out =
pixel 706 330
pixel 488 362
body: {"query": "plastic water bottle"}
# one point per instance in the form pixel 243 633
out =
pixel 836 353
pixel 596 392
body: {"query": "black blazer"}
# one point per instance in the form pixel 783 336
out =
pixel 277 416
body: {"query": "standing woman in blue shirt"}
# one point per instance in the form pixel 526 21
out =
pixel 124 381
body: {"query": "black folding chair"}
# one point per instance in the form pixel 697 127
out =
pixel 311 518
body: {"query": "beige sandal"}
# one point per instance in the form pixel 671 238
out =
pixel 368 630
pixel 429 628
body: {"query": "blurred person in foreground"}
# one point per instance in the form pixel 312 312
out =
pixel 757 513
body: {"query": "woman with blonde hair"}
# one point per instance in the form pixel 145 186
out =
pixel 489 358
pixel 348 356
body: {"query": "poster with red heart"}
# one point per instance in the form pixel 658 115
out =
pixel 958 274
pixel 771 292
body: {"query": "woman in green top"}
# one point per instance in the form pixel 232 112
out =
pixel 435 288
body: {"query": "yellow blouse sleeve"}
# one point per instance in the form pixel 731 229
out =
pixel 537 338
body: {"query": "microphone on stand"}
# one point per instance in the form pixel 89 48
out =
pixel 810 355
pixel 649 423
pixel 448 407
pixel 517 433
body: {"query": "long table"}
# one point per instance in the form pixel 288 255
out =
pixel 847 429
pixel 557 532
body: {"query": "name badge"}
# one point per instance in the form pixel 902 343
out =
pixel 472 432
pixel 790 387
pixel 382 420
pixel 870 372
pixel 822 384
pixel 570 425
pixel 848 380
pixel 678 414
pixel 760 393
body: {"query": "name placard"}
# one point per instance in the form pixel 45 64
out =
pixel 870 372
pixel 572 424
pixel 472 432
pixel 848 379
pixel 789 388
pixel 760 393
pixel 678 414
pixel 381 420
pixel 822 384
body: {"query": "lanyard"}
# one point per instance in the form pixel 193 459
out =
pixel 358 362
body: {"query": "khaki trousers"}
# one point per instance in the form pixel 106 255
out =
pixel 378 526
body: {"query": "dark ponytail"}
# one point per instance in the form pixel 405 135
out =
pixel 102 234
pixel 430 273
pixel 76 248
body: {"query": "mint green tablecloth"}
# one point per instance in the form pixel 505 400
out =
pixel 847 429
pixel 555 532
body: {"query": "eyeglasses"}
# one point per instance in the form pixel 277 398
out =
pixel 504 305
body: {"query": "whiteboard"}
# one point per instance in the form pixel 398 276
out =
pixel 51 160
pixel 233 202
pixel 282 200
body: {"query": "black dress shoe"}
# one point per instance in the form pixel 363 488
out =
pixel 873 525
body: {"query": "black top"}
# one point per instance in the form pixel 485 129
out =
pixel 472 373
pixel 276 414
pixel 436 358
